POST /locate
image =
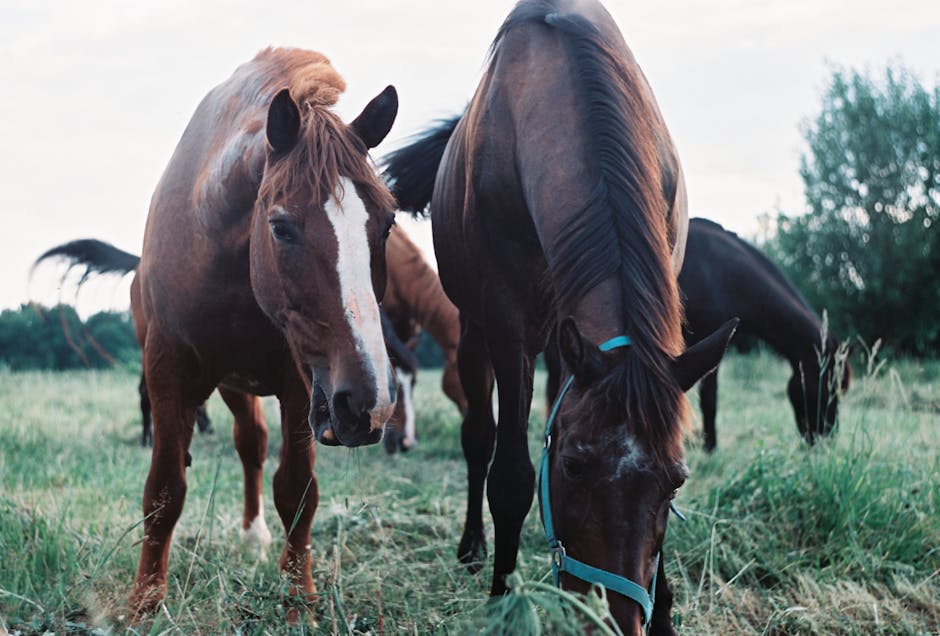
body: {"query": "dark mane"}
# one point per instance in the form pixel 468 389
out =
pixel 622 230
pixel 327 149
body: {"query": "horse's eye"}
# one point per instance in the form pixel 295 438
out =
pixel 282 230
pixel 388 226
pixel 572 468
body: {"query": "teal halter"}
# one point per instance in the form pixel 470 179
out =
pixel 561 562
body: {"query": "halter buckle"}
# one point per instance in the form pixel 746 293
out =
pixel 558 555
pixel 548 441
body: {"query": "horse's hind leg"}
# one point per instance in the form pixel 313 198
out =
pixel 174 405
pixel 708 399
pixel 296 494
pixel 251 442
pixel 477 435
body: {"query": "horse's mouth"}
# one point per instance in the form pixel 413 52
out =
pixel 322 420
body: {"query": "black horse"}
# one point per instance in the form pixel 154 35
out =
pixel 723 276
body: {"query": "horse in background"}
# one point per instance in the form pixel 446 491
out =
pixel 725 277
pixel 559 200
pixel 400 432
pixel 262 267
pixel 415 300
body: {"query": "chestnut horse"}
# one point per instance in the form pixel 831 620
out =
pixel 725 277
pixel 414 300
pixel 560 200
pixel 262 266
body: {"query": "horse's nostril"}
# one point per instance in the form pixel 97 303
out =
pixel 346 406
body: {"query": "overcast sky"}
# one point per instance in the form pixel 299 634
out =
pixel 96 93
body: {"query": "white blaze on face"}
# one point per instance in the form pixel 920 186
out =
pixel 349 218
pixel 631 455
pixel 404 381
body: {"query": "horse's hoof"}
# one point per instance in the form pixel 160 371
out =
pixel 472 551
pixel 145 601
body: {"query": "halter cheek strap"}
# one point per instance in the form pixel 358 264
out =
pixel 561 562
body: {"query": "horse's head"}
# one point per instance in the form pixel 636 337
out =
pixel 617 459
pixel 318 259
pixel 400 433
pixel 814 389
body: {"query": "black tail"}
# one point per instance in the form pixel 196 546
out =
pixel 410 170
pixel 97 257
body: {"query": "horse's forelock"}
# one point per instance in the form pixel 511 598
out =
pixel 326 152
pixel 654 407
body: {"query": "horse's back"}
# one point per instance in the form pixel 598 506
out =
pixel 725 277
pixel 194 262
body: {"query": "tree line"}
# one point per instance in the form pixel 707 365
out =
pixel 56 338
pixel 36 337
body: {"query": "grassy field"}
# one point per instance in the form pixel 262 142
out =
pixel 843 538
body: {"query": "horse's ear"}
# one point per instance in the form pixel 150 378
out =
pixel 377 118
pixel 283 122
pixel 582 358
pixel 702 358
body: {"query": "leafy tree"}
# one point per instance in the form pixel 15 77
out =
pixel 34 337
pixel 868 248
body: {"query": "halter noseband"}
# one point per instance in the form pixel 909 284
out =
pixel 561 562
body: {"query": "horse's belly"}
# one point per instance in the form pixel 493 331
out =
pixel 246 384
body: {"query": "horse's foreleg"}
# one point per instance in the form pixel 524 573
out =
pixel 174 413
pixel 295 489
pixel 708 399
pixel 251 442
pixel 477 435
pixel 661 622
pixel 553 366
pixel 146 437
pixel 511 481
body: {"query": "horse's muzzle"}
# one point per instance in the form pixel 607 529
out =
pixel 341 421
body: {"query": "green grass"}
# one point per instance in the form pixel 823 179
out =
pixel 843 538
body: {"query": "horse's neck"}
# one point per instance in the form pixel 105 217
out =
pixel 599 313
pixel 787 324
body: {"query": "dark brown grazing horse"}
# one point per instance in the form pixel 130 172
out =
pixel 560 200
pixel 262 266
pixel 725 277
